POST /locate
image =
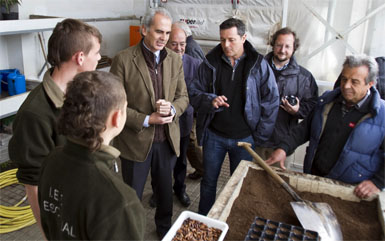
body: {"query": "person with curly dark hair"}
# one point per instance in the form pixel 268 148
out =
pixel 73 47
pixel 80 196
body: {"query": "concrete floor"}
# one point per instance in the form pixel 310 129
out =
pixel 12 194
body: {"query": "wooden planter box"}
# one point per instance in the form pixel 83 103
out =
pixel 300 181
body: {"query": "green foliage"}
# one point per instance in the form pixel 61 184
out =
pixel 7 4
pixel 5 166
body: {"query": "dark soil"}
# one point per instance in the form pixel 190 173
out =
pixel 261 196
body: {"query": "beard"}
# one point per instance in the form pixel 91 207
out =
pixel 281 59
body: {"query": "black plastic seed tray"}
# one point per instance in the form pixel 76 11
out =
pixel 265 229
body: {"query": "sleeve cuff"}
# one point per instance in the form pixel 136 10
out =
pixel 173 111
pixel 284 147
pixel 379 183
pixel 145 123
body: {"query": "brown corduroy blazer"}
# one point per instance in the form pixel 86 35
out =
pixel 135 141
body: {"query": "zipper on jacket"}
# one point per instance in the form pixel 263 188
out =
pixel 232 75
pixel 156 69
pixel 156 66
pixel 116 167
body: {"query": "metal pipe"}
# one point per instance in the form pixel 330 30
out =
pixel 122 18
pixel 285 6
pixel 342 34
pixel 43 50
pixel 208 43
pixel 366 26
pixel 330 18
pixel 156 3
pixel 330 28
pixel 235 4
pixel 371 14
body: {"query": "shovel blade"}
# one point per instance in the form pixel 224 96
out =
pixel 320 219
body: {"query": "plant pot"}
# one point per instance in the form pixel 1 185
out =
pixel 11 16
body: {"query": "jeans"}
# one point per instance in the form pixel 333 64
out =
pixel 214 151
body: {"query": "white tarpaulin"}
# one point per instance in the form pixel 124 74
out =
pixel 204 17
pixel 307 17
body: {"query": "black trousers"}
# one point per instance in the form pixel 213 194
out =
pixel 194 151
pixel 180 168
pixel 161 160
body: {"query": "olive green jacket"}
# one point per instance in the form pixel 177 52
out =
pixel 35 133
pixel 135 141
pixel 81 198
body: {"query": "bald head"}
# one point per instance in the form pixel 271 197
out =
pixel 177 40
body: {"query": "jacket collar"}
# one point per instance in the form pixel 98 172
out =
pixel 330 96
pixel 159 55
pixel 103 148
pixel 53 91
pixel 215 55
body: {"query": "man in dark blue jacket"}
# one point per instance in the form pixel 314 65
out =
pixel 194 151
pixel 297 88
pixel 236 99
pixel 381 76
pixel 346 131
pixel 192 48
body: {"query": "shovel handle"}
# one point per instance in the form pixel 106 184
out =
pixel 269 170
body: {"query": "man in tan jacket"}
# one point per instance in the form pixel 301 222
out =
pixel 153 79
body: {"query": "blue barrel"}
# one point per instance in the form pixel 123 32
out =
pixel 16 83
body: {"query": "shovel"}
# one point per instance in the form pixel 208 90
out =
pixel 313 216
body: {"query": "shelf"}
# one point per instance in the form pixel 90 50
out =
pixel 10 27
pixel 9 105
pixel 18 54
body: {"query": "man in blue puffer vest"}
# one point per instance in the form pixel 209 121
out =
pixel 346 131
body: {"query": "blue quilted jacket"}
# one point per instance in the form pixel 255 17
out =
pixel 363 155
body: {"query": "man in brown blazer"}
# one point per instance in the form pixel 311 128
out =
pixel 153 79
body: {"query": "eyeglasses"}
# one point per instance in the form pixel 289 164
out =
pixel 175 44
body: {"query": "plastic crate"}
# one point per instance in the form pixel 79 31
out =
pixel 265 229
pixel 195 216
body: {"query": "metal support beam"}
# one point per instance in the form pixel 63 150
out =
pixel 328 27
pixel 330 17
pixel 285 6
pixel 155 3
pixel 235 3
pixel 340 36
pixel 122 18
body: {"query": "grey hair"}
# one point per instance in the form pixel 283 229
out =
pixel 183 25
pixel 353 61
pixel 150 14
